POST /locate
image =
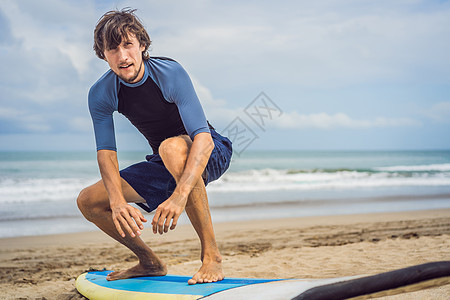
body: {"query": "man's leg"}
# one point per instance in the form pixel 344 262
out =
pixel 174 152
pixel 93 203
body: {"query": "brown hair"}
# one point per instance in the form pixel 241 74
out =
pixel 115 25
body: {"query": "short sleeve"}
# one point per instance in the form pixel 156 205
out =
pixel 101 109
pixel 183 94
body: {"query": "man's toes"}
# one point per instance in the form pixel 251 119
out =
pixel 205 278
pixel 210 278
pixel 111 276
pixel 192 281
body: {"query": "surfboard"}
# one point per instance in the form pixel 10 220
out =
pixel 94 286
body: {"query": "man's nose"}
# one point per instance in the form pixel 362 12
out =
pixel 123 55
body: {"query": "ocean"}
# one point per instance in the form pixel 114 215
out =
pixel 38 190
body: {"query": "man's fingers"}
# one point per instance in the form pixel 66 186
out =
pixel 167 223
pixel 163 216
pixel 118 227
pixel 125 223
pixel 158 220
pixel 141 218
pixel 140 215
pixel 128 219
pixel 174 222
pixel 161 223
pixel 137 219
pixel 155 220
pixel 133 224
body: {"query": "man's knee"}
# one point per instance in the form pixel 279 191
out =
pixel 83 200
pixel 175 147
pixel 87 204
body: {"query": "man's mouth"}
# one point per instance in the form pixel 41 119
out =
pixel 125 66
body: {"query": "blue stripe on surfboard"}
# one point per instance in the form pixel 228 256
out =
pixel 170 284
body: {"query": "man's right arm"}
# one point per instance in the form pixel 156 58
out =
pixel 102 104
pixel 125 217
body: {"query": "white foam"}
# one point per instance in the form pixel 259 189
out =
pixel 418 168
pixel 41 189
pixel 269 180
pixel 62 189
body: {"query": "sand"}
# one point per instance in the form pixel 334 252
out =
pixel 45 267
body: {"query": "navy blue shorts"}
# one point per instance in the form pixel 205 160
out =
pixel 153 182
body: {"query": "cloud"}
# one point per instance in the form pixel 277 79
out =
pixel 23 120
pixel 81 124
pixel 294 120
pixel 216 110
pixel 318 44
pixel 439 112
pixel 219 111
pixel 235 49
pixel 5 33
pixel 47 64
pixel 56 26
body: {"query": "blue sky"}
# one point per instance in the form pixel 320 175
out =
pixel 347 74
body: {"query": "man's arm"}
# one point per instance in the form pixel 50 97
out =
pixel 124 216
pixel 172 208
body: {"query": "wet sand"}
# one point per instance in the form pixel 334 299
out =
pixel 45 267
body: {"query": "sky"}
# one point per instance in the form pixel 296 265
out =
pixel 273 75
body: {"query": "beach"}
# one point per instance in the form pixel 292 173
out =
pixel 45 267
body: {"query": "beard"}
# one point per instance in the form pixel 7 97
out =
pixel 133 77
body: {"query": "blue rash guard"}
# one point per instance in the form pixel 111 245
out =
pixel 162 104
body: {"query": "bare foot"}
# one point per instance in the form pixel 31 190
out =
pixel 211 271
pixel 138 271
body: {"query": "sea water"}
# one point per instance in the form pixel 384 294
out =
pixel 38 191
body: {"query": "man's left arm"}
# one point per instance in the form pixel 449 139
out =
pixel 178 88
pixel 171 209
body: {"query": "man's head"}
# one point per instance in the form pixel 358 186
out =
pixel 121 40
pixel 114 26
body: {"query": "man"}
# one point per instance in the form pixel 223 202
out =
pixel 157 96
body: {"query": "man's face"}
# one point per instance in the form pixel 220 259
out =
pixel 126 59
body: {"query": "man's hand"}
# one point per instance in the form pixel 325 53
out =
pixel 128 218
pixel 169 210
